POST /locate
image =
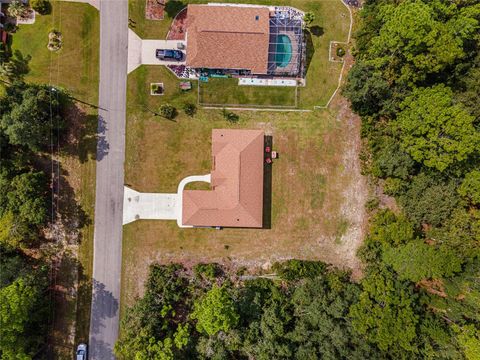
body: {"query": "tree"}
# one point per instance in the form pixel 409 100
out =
pixel 215 312
pixel 15 68
pixel 30 114
pixel 152 328
pixel 11 231
pixel 391 161
pixel 27 197
pixel 322 329
pixel 43 7
pixel 413 42
pixel 366 89
pixel 190 109
pixel 434 130
pixel 17 302
pixel 417 260
pixel 460 232
pixel 391 229
pixel 429 200
pixel 469 339
pixel 385 313
pixel 17 9
pixel 470 187
pixel 168 111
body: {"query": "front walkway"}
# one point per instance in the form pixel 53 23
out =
pixel 157 206
pixel 142 52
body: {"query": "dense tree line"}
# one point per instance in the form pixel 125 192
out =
pixel 211 314
pixel 30 119
pixel 416 84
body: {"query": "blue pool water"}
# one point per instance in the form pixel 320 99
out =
pixel 284 51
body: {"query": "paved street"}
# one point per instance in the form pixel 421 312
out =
pixel 104 322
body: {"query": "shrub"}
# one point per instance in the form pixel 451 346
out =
pixel 372 204
pixel 299 269
pixel 340 52
pixel 308 18
pixel 190 109
pixel 208 271
pixel 168 111
pixel 393 186
pixel 10 28
pixel 230 116
pixel 43 7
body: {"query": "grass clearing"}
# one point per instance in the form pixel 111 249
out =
pixel 331 23
pixel 75 68
pixel 308 196
pixel 227 92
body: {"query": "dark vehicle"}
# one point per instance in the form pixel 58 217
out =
pixel 164 54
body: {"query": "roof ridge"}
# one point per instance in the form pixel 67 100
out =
pixel 234 32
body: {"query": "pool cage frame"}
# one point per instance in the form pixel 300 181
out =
pixel 293 28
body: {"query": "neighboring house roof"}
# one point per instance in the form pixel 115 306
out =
pixel 236 198
pixel 228 37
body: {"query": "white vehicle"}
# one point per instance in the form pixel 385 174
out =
pixel 81 352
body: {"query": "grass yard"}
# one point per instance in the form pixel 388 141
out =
pixel 331 24
pixel 227 92
pixel 317 199
pixel 75 68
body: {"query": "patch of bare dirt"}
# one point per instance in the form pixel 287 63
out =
pixel 356 192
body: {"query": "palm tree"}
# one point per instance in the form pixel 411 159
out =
pixel 17 9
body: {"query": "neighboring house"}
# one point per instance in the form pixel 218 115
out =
pixel 250 39
pixel 236 197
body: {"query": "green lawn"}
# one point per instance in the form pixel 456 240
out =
pixel 227 92
pixel 75 68
pixel 331 22
pixel 138 92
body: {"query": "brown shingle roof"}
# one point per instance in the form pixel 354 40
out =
pixel 228 37
pixel 236 198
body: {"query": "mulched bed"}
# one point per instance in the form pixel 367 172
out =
pixel 177 29
pixel 154 9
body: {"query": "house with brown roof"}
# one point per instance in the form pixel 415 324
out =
pixel 253 39
pixel 228 37
pixel 236 195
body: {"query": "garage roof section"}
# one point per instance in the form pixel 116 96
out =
pixel 236 197
pixel 228 37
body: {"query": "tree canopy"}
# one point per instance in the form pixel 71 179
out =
pixel 31 113
pixel 434 130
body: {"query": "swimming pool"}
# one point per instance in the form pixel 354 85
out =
pixel 283 51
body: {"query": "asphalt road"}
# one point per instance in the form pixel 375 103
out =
pixel 107 258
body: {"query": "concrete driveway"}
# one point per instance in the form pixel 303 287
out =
pixel 153 206
pixel 157 206
pixel 142 52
